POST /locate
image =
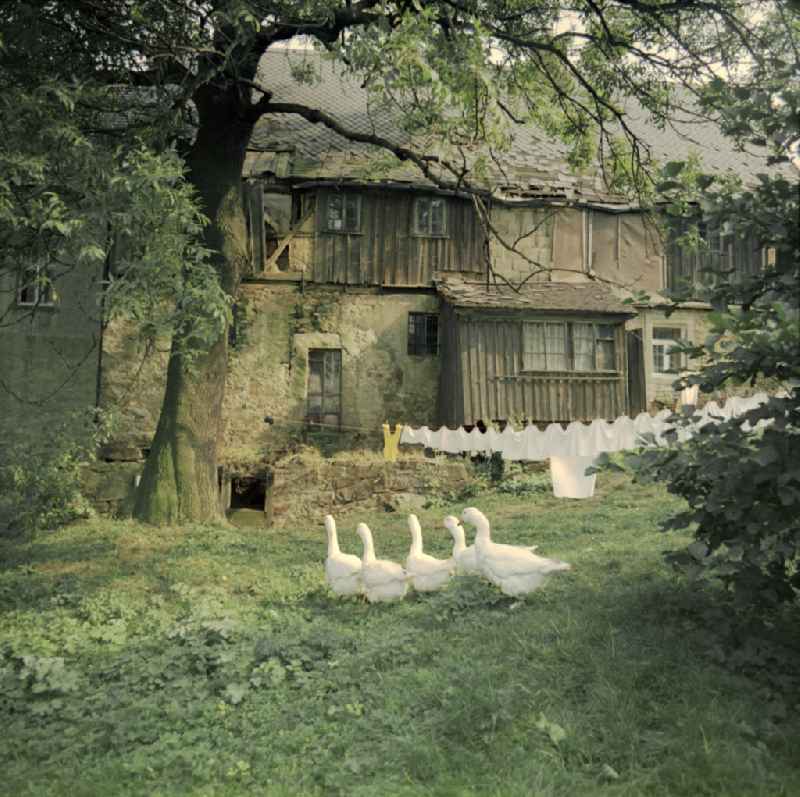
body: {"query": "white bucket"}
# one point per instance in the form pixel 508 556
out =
pixel 569 479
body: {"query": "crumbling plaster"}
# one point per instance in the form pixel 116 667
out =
pixel 268 371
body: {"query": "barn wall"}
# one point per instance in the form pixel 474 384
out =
pixel 530 232
pixel 387 252
pixel 490 356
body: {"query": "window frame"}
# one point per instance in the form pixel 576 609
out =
pixel 569 350
pixel 429 233
pixel 667 344
pixel 343 197
pixel 36 287
pixel 428 347
pixel 316 419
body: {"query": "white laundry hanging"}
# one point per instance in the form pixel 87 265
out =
pixel 569 477
pixel 570 448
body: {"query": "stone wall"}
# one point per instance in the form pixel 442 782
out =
pixel 306 485
pixel 277 325
pixel 305 489
pixel 109 486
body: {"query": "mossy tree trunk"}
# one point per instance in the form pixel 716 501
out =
pixel 179 483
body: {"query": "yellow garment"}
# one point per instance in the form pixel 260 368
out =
pixel 391 441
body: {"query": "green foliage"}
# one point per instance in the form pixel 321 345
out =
pixel 743 484
pixel 526 484
pixel 40 479
pixel 743 492
pixel 71 200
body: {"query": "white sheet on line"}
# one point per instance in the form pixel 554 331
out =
pixel 578 439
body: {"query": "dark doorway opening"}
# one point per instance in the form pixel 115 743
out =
pixel 248 492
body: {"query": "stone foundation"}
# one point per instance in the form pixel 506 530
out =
pixel 303 486
pixel 301 489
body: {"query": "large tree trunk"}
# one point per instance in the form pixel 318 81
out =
pixel 179 483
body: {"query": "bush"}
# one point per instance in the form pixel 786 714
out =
pixel 40 479
pixel 743 491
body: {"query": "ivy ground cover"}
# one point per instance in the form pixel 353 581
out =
pixel 212 661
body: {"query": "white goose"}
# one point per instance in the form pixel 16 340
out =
pixel 514 569
pixel 463 554
pixel 427 572
pixel 383 580
pixel 342 570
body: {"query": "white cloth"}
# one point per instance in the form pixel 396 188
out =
pixel 416 437
pixel 569 477
pixel 689 395
pixel 450 440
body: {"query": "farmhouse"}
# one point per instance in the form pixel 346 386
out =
pixel 374 295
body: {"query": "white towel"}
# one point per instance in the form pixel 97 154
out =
pixel 569 478
pixel 416 437
pixel 689 395
pixel 623 434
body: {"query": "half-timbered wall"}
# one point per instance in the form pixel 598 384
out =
pixel 482 376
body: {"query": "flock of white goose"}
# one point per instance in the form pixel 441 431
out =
pixel 515 569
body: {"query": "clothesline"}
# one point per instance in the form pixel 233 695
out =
pixel 578 439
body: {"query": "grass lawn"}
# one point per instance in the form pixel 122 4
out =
pixel 212 661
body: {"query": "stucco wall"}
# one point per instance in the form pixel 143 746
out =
pixel 692 322
pixel 48 359
pixel 132 384
pixel 268 372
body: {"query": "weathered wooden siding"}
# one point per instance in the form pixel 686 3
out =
pixel 386 251
pixel 482 378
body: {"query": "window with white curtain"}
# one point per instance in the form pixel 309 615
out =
pixel 667 356
pixel 568 346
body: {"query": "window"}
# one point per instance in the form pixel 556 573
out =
pixel 429 216
pixel 35 288
pixel 343 213
pixel 666 358
pixel 568 346
pixel 700 254
pixel 423 333
pixel 325 386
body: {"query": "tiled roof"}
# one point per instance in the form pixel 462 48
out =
pixel 289 146
pixel 584 297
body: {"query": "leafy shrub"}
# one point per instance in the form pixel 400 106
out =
pixel 743 491
pixel 743 486
pixel 40 479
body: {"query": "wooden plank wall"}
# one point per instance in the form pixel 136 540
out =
pixel 451 388
pixel 387 252
pixel 489 357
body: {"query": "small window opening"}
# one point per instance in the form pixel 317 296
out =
pixel 667 358
pixel 423 333
pixel 343 213
pixel 430 218
pixel 35 288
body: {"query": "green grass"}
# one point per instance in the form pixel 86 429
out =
pixel 212 661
